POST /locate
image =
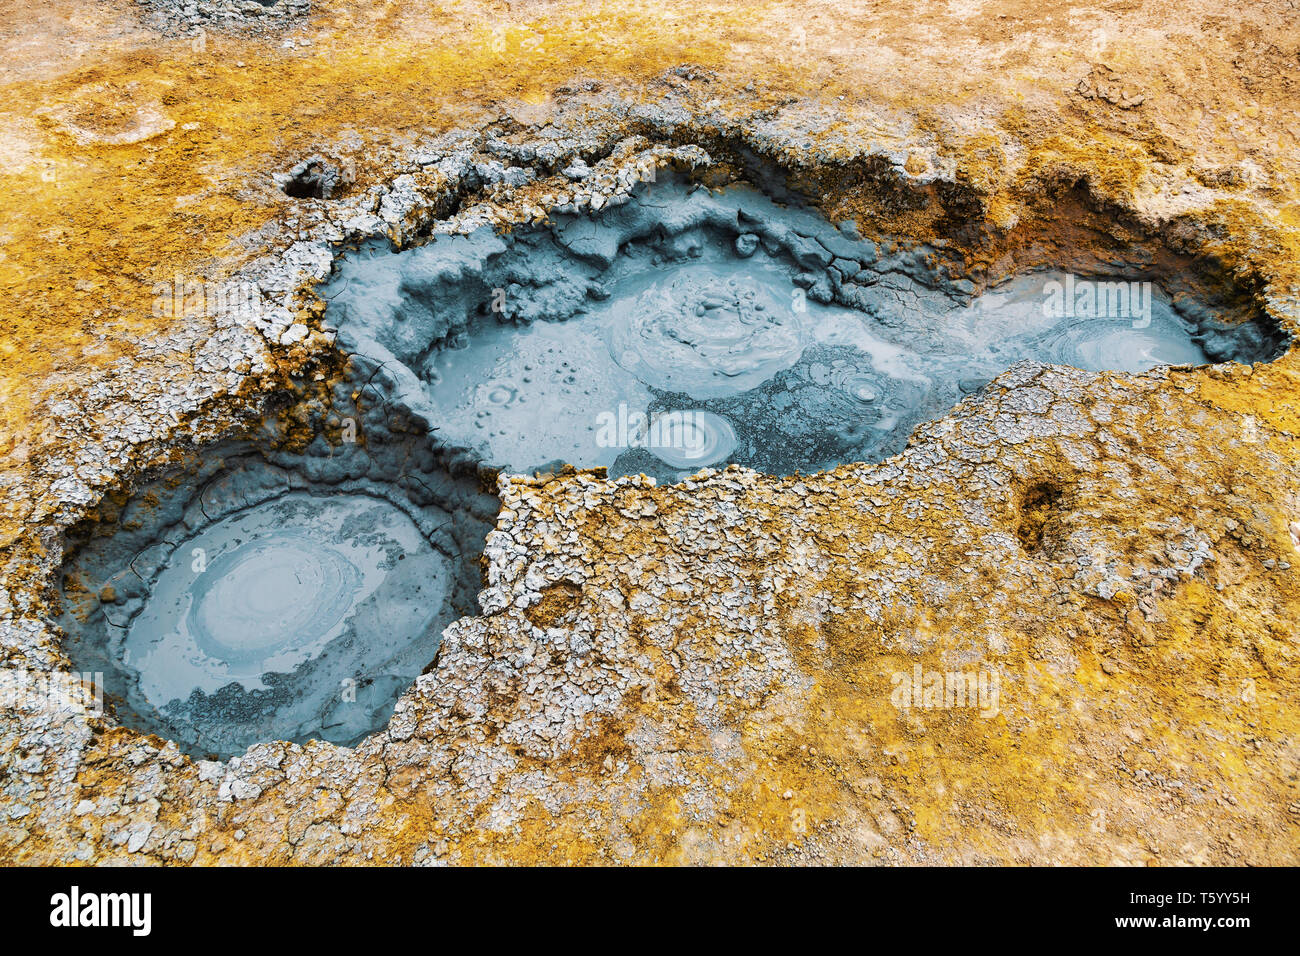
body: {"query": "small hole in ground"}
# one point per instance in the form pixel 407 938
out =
pixel 1040 511
pixel 557 603
pixel 312 179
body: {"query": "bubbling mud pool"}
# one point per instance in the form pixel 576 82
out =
pixel 691 327
pixel 267 593
pixel 278 595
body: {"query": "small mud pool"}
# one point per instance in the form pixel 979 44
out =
pixel 278 595
pixel 689 327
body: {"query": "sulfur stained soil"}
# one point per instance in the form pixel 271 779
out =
pixel 703 673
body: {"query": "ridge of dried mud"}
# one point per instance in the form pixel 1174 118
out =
pixel 701 673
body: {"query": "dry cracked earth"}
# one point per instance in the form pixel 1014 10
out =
pixel 699 672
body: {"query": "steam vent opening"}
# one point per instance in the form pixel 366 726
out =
pixel 268 593
pixel 685 327
pixel 284 588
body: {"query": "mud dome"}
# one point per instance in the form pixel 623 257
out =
pixel 277 594
pixel 704 327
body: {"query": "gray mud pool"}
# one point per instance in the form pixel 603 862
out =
pixel 266 594
pixel 688 327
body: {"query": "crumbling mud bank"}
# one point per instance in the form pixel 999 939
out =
pixel 1047 615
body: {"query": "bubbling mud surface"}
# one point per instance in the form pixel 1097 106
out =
pixel 278 595
pixel 278 583
pixel 688 327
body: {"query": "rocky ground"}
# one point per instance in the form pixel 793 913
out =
pixel 701 672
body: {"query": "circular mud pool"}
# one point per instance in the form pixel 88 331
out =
pixel 277 595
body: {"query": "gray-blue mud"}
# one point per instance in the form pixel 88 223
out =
pixel 269 594
pixel 688 327
pixel 274 594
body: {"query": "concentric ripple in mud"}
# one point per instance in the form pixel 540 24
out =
pixel 690 439
pixel 266 589
pixel 704 333
pixel 277 594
